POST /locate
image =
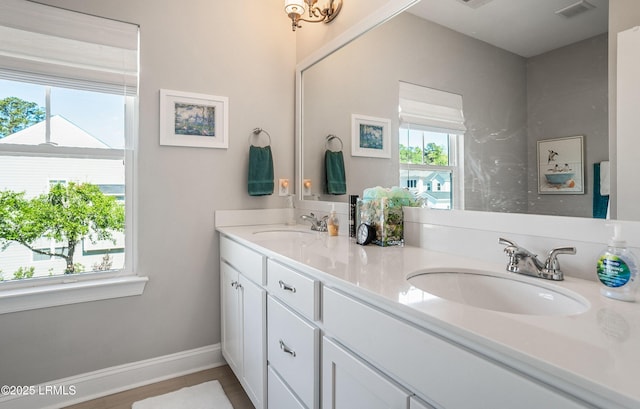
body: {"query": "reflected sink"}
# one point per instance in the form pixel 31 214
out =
pixel 500 292
pixel 285 234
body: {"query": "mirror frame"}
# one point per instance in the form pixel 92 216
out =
pixel 379 16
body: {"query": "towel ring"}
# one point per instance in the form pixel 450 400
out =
pixel 331 137
pixel 256 132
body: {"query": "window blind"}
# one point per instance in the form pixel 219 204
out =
pixel 56 47
pixel 434 109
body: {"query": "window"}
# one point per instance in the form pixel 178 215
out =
pixel 67 112
pixel 431 145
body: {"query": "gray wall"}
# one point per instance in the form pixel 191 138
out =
pixel 243 49
pixel 509 104
pixel 567 95
pixel 363 78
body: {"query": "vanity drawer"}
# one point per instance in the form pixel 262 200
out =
pixel 293 351
pixel 279 395
pixel 294 289
pixel 243 259
pixel 426 363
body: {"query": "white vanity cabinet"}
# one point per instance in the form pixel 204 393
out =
pixel 435 369
pixel 348 382
pixel 296 341
pixel 243 305
pixel 414 403
pixel 293 338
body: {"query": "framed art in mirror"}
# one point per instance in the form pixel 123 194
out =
pixel 370 136
pixel 195 120
pixel 560 166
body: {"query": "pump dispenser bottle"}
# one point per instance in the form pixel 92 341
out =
pixel 617 269
pixel 333 224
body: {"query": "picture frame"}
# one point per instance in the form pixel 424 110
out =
pixel 194 120
pixel 561 165
pixel 370 136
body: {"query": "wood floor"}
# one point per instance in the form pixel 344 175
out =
pixel 124 400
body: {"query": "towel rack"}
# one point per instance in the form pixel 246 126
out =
pixel 331 137
pixel 256 132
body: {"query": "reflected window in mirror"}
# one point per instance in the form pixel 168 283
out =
pixel 430 145
pixel 429 165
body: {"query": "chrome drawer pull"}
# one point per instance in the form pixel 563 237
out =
pixel 234 284
pixel 286 286
pixel 286 349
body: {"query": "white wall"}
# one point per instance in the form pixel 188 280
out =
pixel 243 49
pixel 623 14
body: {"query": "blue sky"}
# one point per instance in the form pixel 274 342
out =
pixel 101 115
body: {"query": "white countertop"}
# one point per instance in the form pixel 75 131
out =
pixel 595 353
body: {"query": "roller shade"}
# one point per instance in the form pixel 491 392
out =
pixel 51 46
pixel 431 108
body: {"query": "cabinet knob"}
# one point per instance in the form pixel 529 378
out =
pixel 286 286
pixel 286 349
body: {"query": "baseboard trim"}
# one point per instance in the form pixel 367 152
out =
pixel 92 385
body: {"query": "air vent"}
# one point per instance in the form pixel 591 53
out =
pixel 575 9
pixel 474 3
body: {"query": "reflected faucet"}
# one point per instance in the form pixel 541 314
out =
pixel 522 261
pixel 316 224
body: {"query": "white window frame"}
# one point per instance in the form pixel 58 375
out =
pixel 42 292
pixel 21 295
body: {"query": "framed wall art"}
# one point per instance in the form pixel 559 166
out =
pixel 561 166
pixel 370 136
pixel 196 120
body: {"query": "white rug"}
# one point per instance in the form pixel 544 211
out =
pixel 208 395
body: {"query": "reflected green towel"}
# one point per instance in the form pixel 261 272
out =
pixel 260 181
pixel 334 169
pixel 600 202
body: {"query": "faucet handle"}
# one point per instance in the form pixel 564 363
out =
pixel 511 250
pixel 552 265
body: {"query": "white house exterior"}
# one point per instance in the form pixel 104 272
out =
pixel 34 175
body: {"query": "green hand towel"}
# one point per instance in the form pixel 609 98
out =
pixel 335 175
pixel 260 181
pixel 600 202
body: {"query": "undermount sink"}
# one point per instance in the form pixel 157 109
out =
pixel 500 292
pixel 284 234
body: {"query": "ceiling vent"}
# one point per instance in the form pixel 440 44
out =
pixel 474 3
pixel 575 9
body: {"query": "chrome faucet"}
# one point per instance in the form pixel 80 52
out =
pixel 522 261
pixel 316 224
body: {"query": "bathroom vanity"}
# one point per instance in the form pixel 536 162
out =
pixel 312 321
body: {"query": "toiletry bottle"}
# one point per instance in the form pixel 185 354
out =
pixel 617 269
pixel 291 212
pixel 333 224
pixel 353 200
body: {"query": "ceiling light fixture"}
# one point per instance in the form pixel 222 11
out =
pixel 296 9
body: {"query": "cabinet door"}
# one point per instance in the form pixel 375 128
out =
pixel 414 403
pixel 231 318
pixel 348 382
pixel 254 345
pixel 280 396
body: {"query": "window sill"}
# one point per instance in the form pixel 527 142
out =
pixel 31 298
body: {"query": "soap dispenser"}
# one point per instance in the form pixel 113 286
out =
pixel 617 269
pixel 333 224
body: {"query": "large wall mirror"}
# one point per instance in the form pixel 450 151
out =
pixel 525 73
